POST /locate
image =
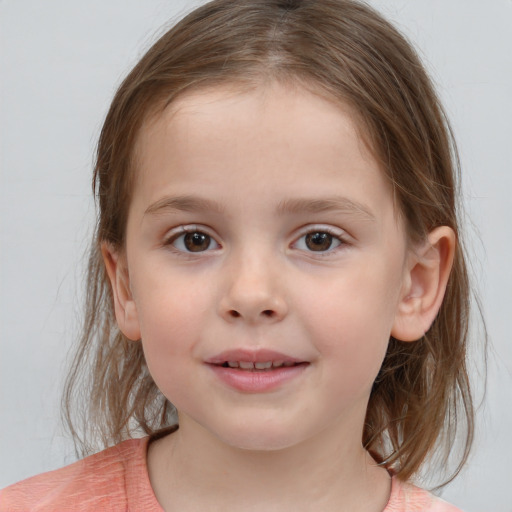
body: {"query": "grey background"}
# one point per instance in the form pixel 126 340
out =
pixel 60 62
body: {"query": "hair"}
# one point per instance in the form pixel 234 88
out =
pixel 346 51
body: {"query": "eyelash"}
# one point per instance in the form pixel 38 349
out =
pixel 335 237
pixel 183 231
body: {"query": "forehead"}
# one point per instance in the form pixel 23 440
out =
pixel 309 113
pixel 272 136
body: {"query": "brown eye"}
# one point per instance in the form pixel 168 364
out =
pixel 323 242
pixel 319 241
pixel 197 242
pixel 193 241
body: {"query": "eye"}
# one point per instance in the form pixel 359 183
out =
pixel 193 241
pixel 318 241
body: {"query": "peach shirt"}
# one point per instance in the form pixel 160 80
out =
pixel 117 479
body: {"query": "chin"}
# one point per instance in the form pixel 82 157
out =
pixel 262 438
pixel 252 430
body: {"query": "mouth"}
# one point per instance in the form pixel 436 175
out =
pixel 256 371
pixel 254 360
pixel 261 366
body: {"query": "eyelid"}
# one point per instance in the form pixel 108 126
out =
pixel 340 234
pixel 172 235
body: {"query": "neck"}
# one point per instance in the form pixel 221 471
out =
pixel 332 471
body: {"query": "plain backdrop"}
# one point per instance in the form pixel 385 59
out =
pixel 60 62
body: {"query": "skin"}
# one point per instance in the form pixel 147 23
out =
pixel 275 164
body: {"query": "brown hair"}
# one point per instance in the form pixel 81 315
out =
pixel 347 51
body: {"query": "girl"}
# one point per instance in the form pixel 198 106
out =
pixel 277 270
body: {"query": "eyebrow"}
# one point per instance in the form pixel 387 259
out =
pixel 190 203
pixel 328 204
pixel 184 204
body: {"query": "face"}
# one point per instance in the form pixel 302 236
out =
pixel 264 265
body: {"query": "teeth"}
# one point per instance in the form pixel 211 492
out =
pixel 263 366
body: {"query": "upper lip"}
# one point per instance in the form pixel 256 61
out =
pixel 252 356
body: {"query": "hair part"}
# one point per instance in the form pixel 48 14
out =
pixel 346 51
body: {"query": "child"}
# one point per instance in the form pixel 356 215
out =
pixel 277 256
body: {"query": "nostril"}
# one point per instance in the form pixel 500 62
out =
pixel 267 313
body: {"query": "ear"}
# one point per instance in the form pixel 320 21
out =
pixel 124 305
pixel 425 283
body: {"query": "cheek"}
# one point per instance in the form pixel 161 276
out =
pixel 350 325
pixel 170 305
pixel 170 333
pixel 172 314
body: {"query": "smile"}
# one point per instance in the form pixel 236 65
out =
pixel 266 365
pixel 256 371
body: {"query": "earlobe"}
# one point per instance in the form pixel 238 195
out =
pixel 424 285
pixel 124 305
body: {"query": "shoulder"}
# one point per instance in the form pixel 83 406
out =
pixel 98 482
pixel 409 498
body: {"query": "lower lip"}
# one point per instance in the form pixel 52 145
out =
pixel 257 381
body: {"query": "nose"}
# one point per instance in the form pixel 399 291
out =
pixel 254 292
